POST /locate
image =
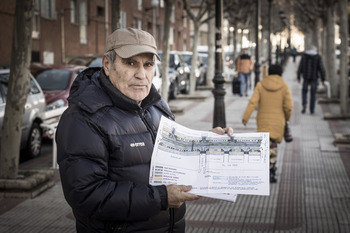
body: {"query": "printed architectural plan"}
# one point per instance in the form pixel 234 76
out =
pixel 217 166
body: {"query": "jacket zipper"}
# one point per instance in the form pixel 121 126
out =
pixel 149 128
pixel 172 220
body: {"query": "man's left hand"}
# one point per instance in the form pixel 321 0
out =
pixel 220 130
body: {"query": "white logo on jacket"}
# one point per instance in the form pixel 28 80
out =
pixel 137 144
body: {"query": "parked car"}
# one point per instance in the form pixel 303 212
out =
pixel 199 71
pixel 204 57
pixel 87 60
pixel 179 74
pixel 34 114
pixel 157 79
pixel 56 81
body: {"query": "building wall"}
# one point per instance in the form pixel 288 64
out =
pixel 7 12
pixel 62 45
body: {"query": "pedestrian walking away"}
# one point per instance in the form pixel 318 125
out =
pixel 310 69
pixel 244 68
pixel 294 53
pixel 274 99
pixel 105 140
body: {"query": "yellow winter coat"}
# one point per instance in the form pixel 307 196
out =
pixel 275 102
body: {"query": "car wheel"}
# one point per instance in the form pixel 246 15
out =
pixel 173 90
pixel 186 89
pixel 34 141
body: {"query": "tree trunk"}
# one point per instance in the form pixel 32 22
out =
pixel 165 57
pixel 324 50
pixel 115 15
pixel 332 75
pixel 18 88
pixel 194 58
pixel 344 79
pixel 211 49
pixel 234 42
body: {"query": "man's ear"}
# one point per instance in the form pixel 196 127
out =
pixel 106 64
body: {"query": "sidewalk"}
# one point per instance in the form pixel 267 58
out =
pixel 312 193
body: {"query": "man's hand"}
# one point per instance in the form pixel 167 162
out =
pixel 221 131
pixel 178 194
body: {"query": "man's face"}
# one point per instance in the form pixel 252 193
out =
pixel 131 76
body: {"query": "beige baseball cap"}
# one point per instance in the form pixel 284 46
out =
pixel 128 42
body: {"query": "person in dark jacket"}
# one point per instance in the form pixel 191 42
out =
pixel 105 140
pixel 310 68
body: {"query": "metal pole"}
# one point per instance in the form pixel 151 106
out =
pixel 219 81
pixel 257 65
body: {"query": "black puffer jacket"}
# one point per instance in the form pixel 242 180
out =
pixel 104 147
pixel 311 67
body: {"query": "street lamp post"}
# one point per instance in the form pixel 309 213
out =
pixel 219 90
pixel 257 21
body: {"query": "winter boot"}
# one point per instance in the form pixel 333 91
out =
pixel 273 170
pixel 304 109
pixel 287 133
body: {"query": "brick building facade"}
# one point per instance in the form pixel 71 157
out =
pixel 63 29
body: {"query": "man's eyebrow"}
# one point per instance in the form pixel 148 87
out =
pixel 150 62
pixel 127 60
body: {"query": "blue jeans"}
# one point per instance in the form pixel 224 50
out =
pixel 245 81
pixel 313 88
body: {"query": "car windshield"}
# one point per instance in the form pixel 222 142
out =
pixel 204 59
pixel 187 58
pixel 81 61
pixel 171 59
pixel 96 63
pixel 54 79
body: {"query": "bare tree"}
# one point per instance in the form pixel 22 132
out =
pixel 309 14
pixel 344 80
pixel 211 47
pixel 330 48
pixel 18 89
pixel 115 15
pixel 165 57
pixel 197 20
pixel 239 14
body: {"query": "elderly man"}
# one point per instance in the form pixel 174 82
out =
pixel 104 175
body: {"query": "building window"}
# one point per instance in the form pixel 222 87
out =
pixel 35 56
pixel 171 36
pixel 36 21
pixel 122 19
pixel 139 5
pixel 137 23
pixel 100 11
pixel 83 22
pixel 172 16
pixel 73 12
pixel 48 9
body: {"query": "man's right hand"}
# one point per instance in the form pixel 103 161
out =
pixel 178 194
